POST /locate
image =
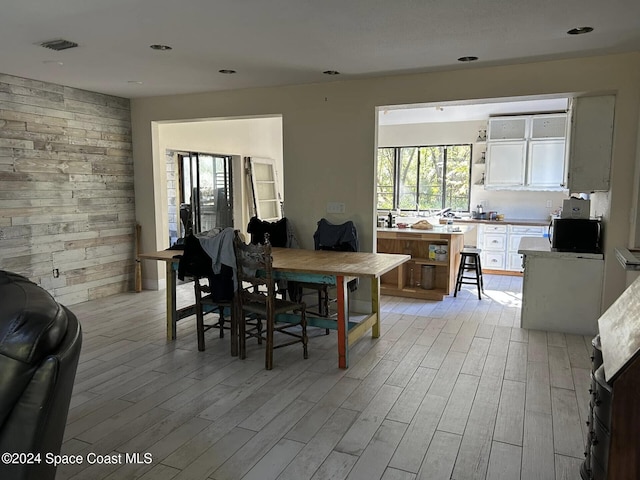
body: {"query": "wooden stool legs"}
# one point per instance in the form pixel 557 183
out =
pixel 470 261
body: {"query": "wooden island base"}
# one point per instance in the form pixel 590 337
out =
pixel 405 280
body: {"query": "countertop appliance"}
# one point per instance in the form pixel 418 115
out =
pixel 576 208
pixel 581 235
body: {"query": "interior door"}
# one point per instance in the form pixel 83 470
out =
pixel 267 200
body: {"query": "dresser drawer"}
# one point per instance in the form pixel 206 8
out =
pixel 494 228
pixel 493 260
pixel 529 231
pixel 494 241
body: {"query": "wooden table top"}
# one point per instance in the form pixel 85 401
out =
pixel 348 264
pixel 325 262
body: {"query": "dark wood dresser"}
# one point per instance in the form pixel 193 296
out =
pixel 613 443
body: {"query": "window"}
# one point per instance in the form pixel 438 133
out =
pixel 424 178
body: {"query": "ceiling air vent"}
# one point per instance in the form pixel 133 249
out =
pixel 59 44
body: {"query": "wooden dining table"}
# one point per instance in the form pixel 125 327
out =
pixel 312 266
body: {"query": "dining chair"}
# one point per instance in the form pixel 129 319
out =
pixel 328 236
pixel 206 304
pixel 255 301
pixel 213 291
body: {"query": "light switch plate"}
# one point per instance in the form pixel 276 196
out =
pixel 335 207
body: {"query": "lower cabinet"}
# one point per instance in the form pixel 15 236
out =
pixel 561 292
pixel 499 245
pixel 492 241
pixel 516 232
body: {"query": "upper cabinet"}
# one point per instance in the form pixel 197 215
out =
pixel 527 152
pixel 591 143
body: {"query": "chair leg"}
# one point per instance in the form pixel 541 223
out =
pixel 242 338
pixel 200 329
pixel 480 274
pixel 269 349
pixel 459 277
pixel 221 321
pixel 305 339
pixel 478 279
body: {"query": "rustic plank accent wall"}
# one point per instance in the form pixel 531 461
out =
pixel 66 189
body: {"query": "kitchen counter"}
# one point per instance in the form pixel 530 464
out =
pixel 540 247
pixel 506 221
pixel 434 253
pixel 436 229
pixel 561 291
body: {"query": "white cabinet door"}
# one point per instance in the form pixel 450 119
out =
pixel 591 143
pixel 546 164
pixel 515 262
pixel 507 128
pixel 549 126
pixel 505 164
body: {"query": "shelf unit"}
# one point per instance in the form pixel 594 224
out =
pixel 398 282
pixel 479 162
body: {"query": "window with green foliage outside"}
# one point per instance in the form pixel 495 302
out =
pixel 424 178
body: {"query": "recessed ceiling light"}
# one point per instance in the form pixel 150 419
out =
pixel 160 47
pixel 331 72
pixel 469 58
pixel 580 30
pixel 227 71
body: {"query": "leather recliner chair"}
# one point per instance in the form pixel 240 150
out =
pixel 40 344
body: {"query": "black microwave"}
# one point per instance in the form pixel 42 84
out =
pixel 580 235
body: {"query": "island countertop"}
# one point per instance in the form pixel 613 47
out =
pixel 540 247
pixel 437 229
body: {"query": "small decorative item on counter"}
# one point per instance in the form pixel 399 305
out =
pixel 479 209
pixel 422 225
pixel 438 252
pixel 500 216
pixel 390 220
pixel 402 225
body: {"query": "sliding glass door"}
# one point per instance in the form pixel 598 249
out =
pixel 206 192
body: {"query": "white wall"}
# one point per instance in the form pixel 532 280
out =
pixel 329 133
pixel 514 204
pixel 251 137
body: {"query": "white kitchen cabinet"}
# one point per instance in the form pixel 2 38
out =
pixel 591 144
pixel 499 244
pixel 546 163
pixel 548 126
pixel 516 232
pixel 492 241
pixel 562 294
pixel 527 152
pixel 505 164
pixel 507 128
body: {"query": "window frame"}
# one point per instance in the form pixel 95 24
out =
pixel 396 174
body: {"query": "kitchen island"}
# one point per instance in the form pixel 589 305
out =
pixel 561 291
pixel 437 249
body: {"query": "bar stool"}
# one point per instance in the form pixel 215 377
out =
pixel 470 262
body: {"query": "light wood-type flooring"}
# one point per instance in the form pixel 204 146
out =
pixel 450 390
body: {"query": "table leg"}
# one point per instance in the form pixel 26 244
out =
pixel 172 314
pixel 343 323
pixel 375 306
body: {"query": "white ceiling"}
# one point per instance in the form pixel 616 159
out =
pixel 284 42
